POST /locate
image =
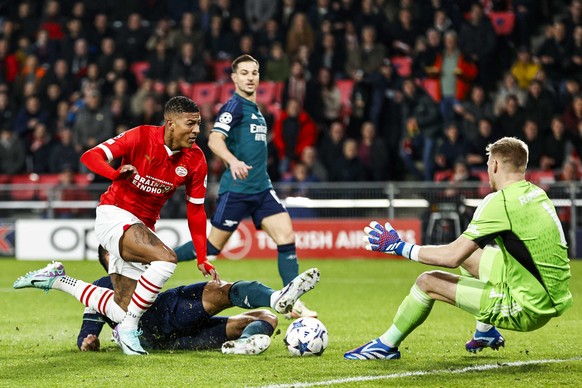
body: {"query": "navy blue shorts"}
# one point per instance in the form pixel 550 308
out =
pixel 177 320
pixel 232 208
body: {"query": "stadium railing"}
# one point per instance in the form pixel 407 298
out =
pixel 443 209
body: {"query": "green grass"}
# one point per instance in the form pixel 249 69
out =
pixel 356 300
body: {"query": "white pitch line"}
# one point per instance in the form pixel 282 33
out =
pixel 422 373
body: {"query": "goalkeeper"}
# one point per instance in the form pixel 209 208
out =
pixel 519 285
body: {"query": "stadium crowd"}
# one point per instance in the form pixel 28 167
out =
pixel 367 90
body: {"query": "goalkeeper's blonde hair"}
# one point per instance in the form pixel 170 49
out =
pixel 510 151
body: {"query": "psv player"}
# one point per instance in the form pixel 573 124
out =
pixel 155 161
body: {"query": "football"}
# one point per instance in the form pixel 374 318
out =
pixel 306 337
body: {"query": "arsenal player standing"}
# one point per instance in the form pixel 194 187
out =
pixel 155 161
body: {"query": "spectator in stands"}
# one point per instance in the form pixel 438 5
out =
pixel 323 99
pixel 386 111
pixel 348 167
pixel 258 13
pixel 296 85
pixel 7 111
pixel 268 36
pixel 44 49
pixel 507 86
pixel 31 72
pixel 8 63
pixel 120 91
pixel 540 106
pixel 60 74
pixel 234 33
pixel 301 178
pixel 161 31
pixel 187 30
pixel 52 19
pixel 132 38
pixel 512 117
pixel 574 64
pixel 293 130
pixel 50 103
pixel 216 40
pixel 299 34
pixel 572 116
pixel 455 74
pixel 28 116
pixel 368 56
pixel 63 155
pixel 328 54
pixel 27 19
pixel 524 69
pixel 330 147
pixel 40 147
pixel 478 41
pixel 450 149
pixel 569 90
pixel 120 70
pixel 93 79
pixel 369 15
pixel 476 155
pixel 79 58
pixel 359 103
pixel 188 66
pixel 93 123
pixel 107 55
pixel 12 152
pixel 556 146
pixel 98 32
pixel 441 23
pixel 310 158
pixel 421 128
pixel 151 113
pixel 476 107
pixel 318 12
pixel 553 52
pixel 372 153
pixel 534 142
pixel 277 65
pixel 68 190
pixel 574 17
pixel 160 61
pixel 403 34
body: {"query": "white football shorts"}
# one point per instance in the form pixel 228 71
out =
pixel 110 224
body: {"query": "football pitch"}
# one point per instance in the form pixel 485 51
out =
pixel 356 300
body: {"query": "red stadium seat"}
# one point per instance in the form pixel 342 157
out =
pixel 266 92
pixel 226 92
pixel 205 93
pixel 185 88
pixel 84 179
pixel 403 65
pixel 47 181
pixel 442 176
pixel 541 178
pixel 159 87
pixel 279 91
pixel 25 187
pixel 503 22
pixel 139 70
pixel 221 70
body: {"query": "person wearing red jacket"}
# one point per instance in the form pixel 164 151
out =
pixel 293 131
pixel 454 73
pixel 155 161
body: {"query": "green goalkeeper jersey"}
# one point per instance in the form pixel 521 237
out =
pixel 523 222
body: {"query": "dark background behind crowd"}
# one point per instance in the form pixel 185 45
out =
pixel 368 90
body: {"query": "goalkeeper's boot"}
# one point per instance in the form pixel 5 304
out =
pixel 42 278
pixel 373 350
pixel 300 311
pixel 255 344
pixel 488 339
pixel 282 301
pixel 128 341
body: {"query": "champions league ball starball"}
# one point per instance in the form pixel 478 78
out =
pixel 306 337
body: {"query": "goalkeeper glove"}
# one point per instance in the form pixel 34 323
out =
pixel 385 239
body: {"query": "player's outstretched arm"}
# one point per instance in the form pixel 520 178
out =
pixel 385 239
pixel 238 168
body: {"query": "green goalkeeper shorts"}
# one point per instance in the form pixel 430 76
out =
pixel 490 299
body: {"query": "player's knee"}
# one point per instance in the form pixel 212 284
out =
pixel 267 316
pixel 425 280
pixel 168 256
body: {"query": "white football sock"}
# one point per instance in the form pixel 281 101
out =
pixel 147 289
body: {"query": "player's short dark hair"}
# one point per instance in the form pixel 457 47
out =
pixel 241 59
pixel 181 104
pixel 101 251
pixel 510 150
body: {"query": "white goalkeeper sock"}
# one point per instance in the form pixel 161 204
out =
pixel 147 289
